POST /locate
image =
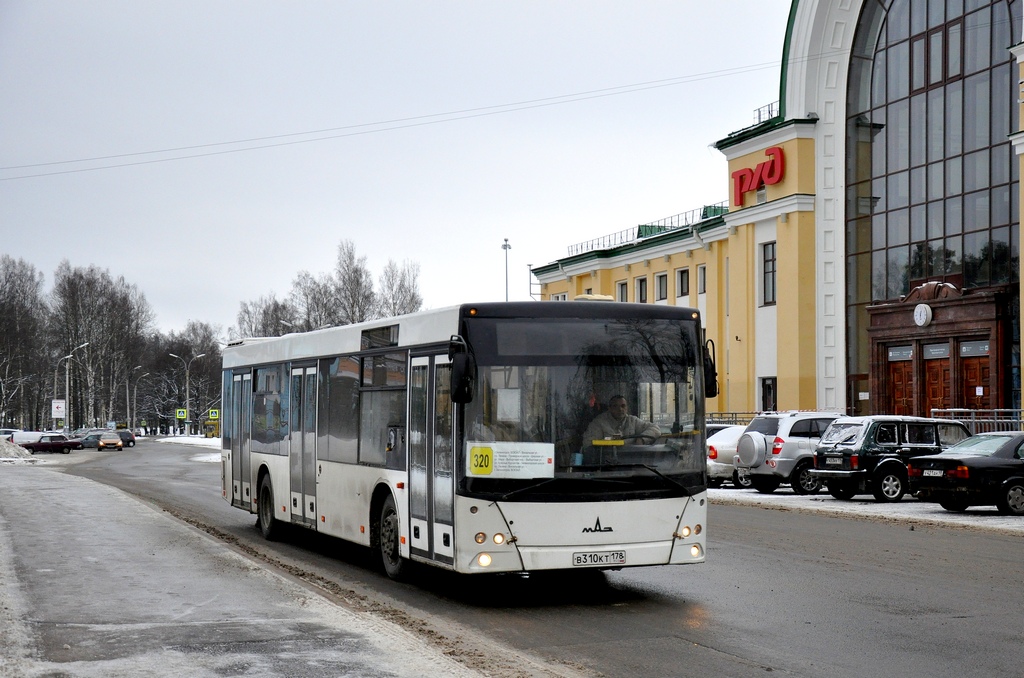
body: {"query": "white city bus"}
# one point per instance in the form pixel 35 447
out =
pixel 453 437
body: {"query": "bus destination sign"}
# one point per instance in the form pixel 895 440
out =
pixel 499 459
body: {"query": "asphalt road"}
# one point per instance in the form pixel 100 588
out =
pixel 787 589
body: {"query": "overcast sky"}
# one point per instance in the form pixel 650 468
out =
pixel 209 151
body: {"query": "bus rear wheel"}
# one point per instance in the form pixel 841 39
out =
pixel 265 520
pixel 389 529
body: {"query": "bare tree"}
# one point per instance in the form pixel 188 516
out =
pixel 265 317
pixel 398 290
pixel 315 301
pixel 23 345
pixel 356 300
pixel 114 318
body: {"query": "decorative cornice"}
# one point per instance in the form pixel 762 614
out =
pixel 1017 140
pixel 773 132
pixel 800 202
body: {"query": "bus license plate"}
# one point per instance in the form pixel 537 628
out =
pixel 599 558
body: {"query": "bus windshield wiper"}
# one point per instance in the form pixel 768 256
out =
pixel 657 473
pixel 526 489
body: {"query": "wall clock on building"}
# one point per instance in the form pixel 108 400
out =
pixel 922 315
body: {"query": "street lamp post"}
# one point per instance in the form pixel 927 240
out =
pixel 67 385
pixel 506 247
pixel 188 414
pixel 135 399
pixel 127 401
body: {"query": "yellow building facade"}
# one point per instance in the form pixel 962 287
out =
pixel 885 180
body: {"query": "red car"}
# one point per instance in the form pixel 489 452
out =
pixel 53 442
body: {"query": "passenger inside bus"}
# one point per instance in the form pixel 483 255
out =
pixel 617 423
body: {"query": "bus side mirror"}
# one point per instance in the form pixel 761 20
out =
pixel 463 377
pixel 710 370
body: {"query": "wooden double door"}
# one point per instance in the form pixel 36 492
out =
pixel 972 381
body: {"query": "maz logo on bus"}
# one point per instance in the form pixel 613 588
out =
pixel 597 527
pixel 766 173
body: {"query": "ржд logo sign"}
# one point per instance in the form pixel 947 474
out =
pixel 765 174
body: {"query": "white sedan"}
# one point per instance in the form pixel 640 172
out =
pixel 721 449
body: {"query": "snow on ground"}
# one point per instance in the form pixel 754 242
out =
pixel 908 511
pixel 15 454
pixel 197 441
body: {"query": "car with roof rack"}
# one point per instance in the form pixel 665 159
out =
pixel 869 455
pixel 778 447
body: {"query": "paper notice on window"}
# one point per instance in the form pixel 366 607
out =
pixel 499 459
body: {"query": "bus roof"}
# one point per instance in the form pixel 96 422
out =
pixel 434 326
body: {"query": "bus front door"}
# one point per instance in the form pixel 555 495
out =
pixel 431 460
pixel 302 446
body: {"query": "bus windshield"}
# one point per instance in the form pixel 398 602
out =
pixel 570 407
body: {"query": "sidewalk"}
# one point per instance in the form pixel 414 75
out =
pixel 95 583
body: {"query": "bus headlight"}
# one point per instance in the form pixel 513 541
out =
pixel 480 538
pixel 484 560
pixel 695 550
pixel 499 538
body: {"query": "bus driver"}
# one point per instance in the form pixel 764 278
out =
pixel 617 423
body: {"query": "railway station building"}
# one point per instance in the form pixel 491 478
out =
pixel 868 257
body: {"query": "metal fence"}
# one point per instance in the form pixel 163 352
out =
pixel 686 220
pixel 980 421
pixel 734 418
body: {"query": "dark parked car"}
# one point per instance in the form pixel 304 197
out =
pixel 53 442
pixel 861 455
pixel 127 437
pixel 984 470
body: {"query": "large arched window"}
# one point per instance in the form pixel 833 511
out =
pixel 931 174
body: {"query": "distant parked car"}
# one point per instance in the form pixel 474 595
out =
pixel 7 433
pixel 127 438
pixel 869 455
pixel 984 470
pixel 721 448
pixel 53 442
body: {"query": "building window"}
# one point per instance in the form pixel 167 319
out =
pixel 621 291
pixel 641 290
pixel 768 262
pixel 588 290
pixel 702 279
pixel 932 178
pixel 661 287
pixel 769 400
pixel 564 296
pixel 683 282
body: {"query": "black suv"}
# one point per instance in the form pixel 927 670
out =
pixel 861 455
pixel 127 437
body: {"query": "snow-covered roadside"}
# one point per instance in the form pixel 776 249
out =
pixel 16 454
pixel 197 441
pixel 907 511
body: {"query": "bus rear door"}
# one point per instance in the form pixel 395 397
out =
pixel 302 446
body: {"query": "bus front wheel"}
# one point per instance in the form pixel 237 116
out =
pixel 388 538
